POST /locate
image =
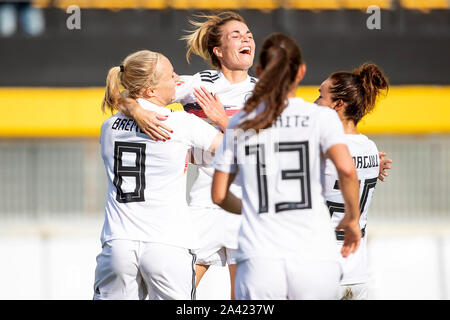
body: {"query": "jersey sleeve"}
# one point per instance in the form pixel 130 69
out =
pixel 184 89
pixel 199 134
pixel 332 130
pixel 225 159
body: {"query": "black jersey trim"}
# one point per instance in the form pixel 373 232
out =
pixel 194 289
pixel 340 235
pixel 207 76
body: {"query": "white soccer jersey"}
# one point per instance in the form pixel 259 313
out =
pixel 284 212
pixel 233 97
pixel 146 198
pixel 365 156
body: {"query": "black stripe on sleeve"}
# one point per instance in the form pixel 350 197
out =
pixel 194 289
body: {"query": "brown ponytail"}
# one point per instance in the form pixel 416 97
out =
pixel 373 81
pixel 280 59
pixel 358 89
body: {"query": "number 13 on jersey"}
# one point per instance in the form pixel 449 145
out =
pixel 301 173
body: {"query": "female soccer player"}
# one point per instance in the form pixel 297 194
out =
pixel 287 247
pixel 225 41
pixel 353 95
pixel 146 237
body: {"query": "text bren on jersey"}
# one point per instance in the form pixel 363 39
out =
pixel 126 124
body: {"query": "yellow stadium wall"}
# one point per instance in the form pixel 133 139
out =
pixel 423 5
pixel 75 112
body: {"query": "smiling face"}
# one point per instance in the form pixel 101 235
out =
pixel 325 98
pixel 237 49
pixel 165 89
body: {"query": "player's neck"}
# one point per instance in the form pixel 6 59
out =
pixel 292 92
pixel 234 76
pixel 156 101
pixel 350 127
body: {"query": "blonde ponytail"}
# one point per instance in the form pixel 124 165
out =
pixel 138 71
pixel 195 40
pixel 112 93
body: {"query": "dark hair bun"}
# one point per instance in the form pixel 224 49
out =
pixel 372 77
pixel 372 80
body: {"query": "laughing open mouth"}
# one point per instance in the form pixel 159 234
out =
pixel 245 50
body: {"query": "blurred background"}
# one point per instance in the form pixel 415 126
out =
pixel 54 57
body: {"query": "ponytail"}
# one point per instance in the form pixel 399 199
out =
pixel 373 82
pixel 358 89
pixel 280 60
pixel 197 39
pixel 136 72
pixel 112 93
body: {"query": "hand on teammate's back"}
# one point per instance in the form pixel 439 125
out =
pixel 384 165
pixel 212 107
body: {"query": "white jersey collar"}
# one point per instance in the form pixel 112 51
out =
pixel 223 78
pixel 148 105
pixel 296 99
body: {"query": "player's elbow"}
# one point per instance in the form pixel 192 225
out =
pixel 218 198
pixel 347 172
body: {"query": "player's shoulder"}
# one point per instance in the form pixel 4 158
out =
pixel 177 116
pixel 323 110
pixel 241 116
pixel 311 108
pixel 203 78
pixel 182 119
pixel 370 143
pixel 361 144
pixel 207 76
pixel 188 81
pixel 110 120
pixel 361 138
pixel 180 122
pixel 325 113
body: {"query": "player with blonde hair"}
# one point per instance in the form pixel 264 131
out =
pixel 146 239
pixel 225 41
